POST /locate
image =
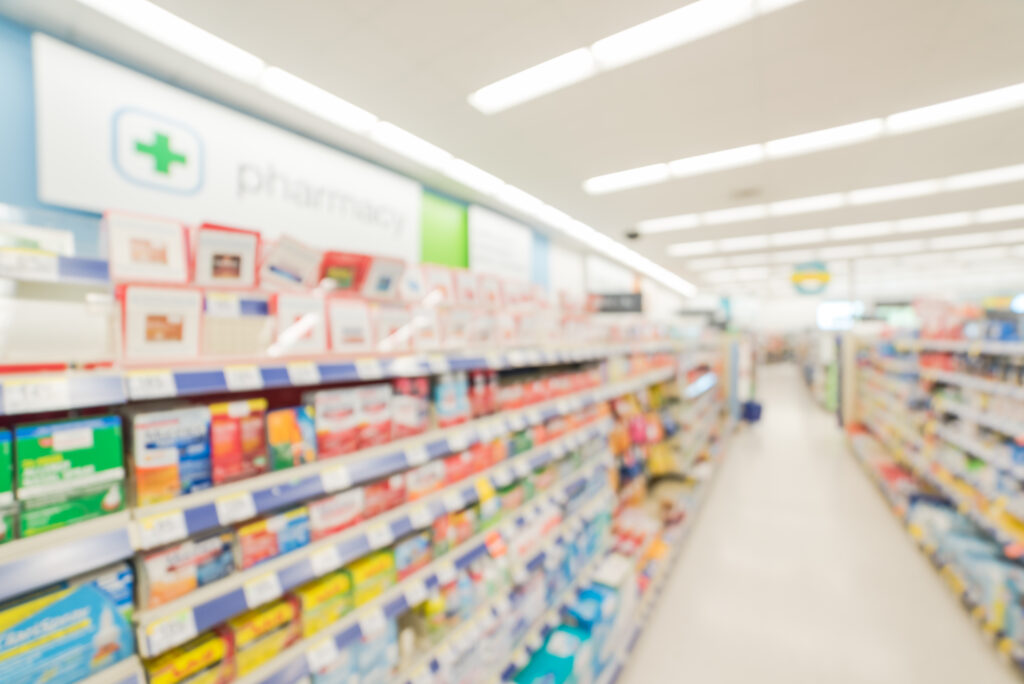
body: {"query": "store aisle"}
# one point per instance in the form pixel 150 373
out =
pixel 797 573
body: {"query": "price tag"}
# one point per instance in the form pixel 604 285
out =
pixel 522 469
pixel 325 560
pixel 379 536
pixel 438 364
pixel 303 373
pixel 415 593
pixel 158 530
pixel 234 508
pixel 173 630
pixel 421 517
pixel 369 369
pixel 243 378
pixel 454 501
pixel 446 573
pixel 495 361
pixel 335 479
pixel 373 623
pixel 156 384
pixel 36 395
pixel 263 589
pixel 457 441
pixel 416 455
pixel 30 264
pixel 321 656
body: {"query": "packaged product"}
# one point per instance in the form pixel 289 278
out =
pixel 426 479
pixel 458 467
pixel 372 575
pixel 464 524
pixel 72 454
pixel 342 670
pixel 6 469
pixel 451 399
pixel 377 656
pixel 594 612
pixel 69 632
pixel 207 659
pixel 177 570
pixel 61 509
pixel 324 601
pixel 170 453
pixel 272 536
pixel 442 534
pixel 383 495
pixel 565 658
pixel 291 437
pixel 335 513
pixel 410 407
pixel 238 446
pixel 337 419
pixel 374 415
pixel 512 496
pixel 264 632
pixel 412 553
pixel 236 324
pixel 488 512
pixel 8 523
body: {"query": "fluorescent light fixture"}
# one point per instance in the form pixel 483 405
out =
pixel 182 36
pixel 981 179
pixel 1010 236
pixel 803 205
pixel 621 180
pixel 829 138
pixel 669 223
pixel 541 79
pixel 766 6
pixel 858 231
pixel 555 217
pixel 843 252
pixel 472 176
pixel 706 263
pixel 936 222
pixel 684 25
pixel 960 241
pixel 998 214
pixel 898 247
pixel 987 254
pixel 692 248
pixel 752 273
pixel 717 161
pixel 739 244
pixel 749 259
pixel 408 145
pixel 315 100
pixel 723 276
pixel 799 237
pixel 961 109
pixel 519 199
pixel 928 259
pixel 735 214
pixel 888 193
pixel 792 256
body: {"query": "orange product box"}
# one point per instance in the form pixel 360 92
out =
pixel 238 440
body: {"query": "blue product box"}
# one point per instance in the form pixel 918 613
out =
pixel 565 659
pixel 594 612
pixel 377 656
pixel 344 669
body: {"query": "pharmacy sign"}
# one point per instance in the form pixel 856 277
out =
pixel 156 152
pixel 810 277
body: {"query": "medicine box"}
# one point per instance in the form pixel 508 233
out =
pixel 177 570
pixel 209 659
pixel 291 436
pixel 272 536
pixel 238 444
pixel 374 415
pixel 58 457
pixel 170 453
pixel 6 469
pixel 335 513
pixel 65 508
pixel 336 416
pixel 372 575
pixel 265 632
pixel 325 601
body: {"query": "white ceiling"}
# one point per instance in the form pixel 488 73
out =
pixel 817 64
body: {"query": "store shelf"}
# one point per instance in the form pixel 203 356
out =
pixel 1007 426
pixel 27 565
pixel 172 624
pixel 128 671
pixel 38 393
pixel 302 659
pixel 37 266
pixel 994 457
pixel 213 508
pixel 972 347
pixel 971 382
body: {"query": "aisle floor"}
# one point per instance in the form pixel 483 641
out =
pixel 798 573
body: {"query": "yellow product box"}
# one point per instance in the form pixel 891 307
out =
pixel 264 632
pixel 208 659
pixel 372 575
pixel 324 601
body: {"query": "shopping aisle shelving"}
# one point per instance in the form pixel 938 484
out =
pixel 798 574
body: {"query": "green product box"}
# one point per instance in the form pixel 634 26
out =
pixel 7 524
pixel 67 508
pixel 69 455
pixel 6 484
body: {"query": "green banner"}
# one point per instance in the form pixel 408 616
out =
pixel 444 238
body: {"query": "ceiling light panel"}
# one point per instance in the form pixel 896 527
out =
pixel 799 237
pixel 936 222
pixel 898 247
pixel 998 214
pixel 803 205
pixel 792 256
pixel 888 193
pixel 961 109
pixel 706 264
pixel 749 259
pixel 633 178
pixel 986 178
pixel 860 231
pixel 669 223
pixel 960 241
pixel 829 138
pixel 747 213
pixel 716 161
pixel 692 248
pixel 843 252
pixel 739 244
pixel 546 77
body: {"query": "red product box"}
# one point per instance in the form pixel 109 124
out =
pixel 383 495
pixel 374 415
pixel 238 440
pixel 336 513
pixel 458 467
pixel 410 407
pixel 425 480
pixel 483 456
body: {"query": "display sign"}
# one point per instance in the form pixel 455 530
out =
pixel 111 138
pixel 629 302
pixel 811 277
pixel 498 245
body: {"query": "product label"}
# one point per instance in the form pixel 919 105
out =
pixel 60 510
pixel 57 457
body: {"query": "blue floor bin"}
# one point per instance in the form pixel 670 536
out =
pixel 751 411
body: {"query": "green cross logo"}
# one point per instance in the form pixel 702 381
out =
pixel 160 150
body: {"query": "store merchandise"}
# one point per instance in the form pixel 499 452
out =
pixel 146 249
pixel 291 437
pixel 64 508
pixel 226 257
pixel 6 469
pixel 272 536
pixel 289 265
pixel 236 324
pixel 410 407
pixel 161 323
pixel 325 601
pixel 170 453
pixel 349 328
pixel 413 553
pixel 264 632
pixel 337 415
pixel 209 658
pixel 374 415
pixel 385 494
pixel 238 440
pixel 372 575
pixel 173 572
pixel 451 399
pixel 67 455
pixel 335 513
pixel 301 325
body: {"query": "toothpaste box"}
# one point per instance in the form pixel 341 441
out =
pixel 325 601
pixel 383 495
pixel 67 508
pixel 291 436
pixel 177 570
pixel 238 440
pixel 372 575
pixel 73 454
pixel 66 634
pixel 272 536
pixel 374 415
pixel 335 513
pixel 337 420
pixel 170 453
pixel 207 659
pixel 6 466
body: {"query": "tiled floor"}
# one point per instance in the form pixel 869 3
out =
pixel 797 573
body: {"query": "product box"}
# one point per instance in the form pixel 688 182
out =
pixel 290 265
pixel 458 467
pixel 6 469
pixel 342 670
pixel 170 453
pixel 392 327
pixel 374 414
pixel 207 659
pixel 412 553
pixel 348 325
pixel 272 536
pixel 337 420
pixel 377 656
pixel 146 249
pixel 426 479
pixel 236 324
pixel 301 324
pixel 464 524
pixel 451 399
pixel 345 271
pixel 594 612
pixel 565 658
pixel 58 457
pixel 442 533
pixel 226 257
pixel 182 568
pixel 324 601
pixel 65 508
pixel 265 632
pixel 65 634
pixel 8 522
pixel 410 407
pixel 372 575
pixel 335 513
pixel 161 323
pixel 291 437
pixel 383 495
pixel 238 443
pixel 383 279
